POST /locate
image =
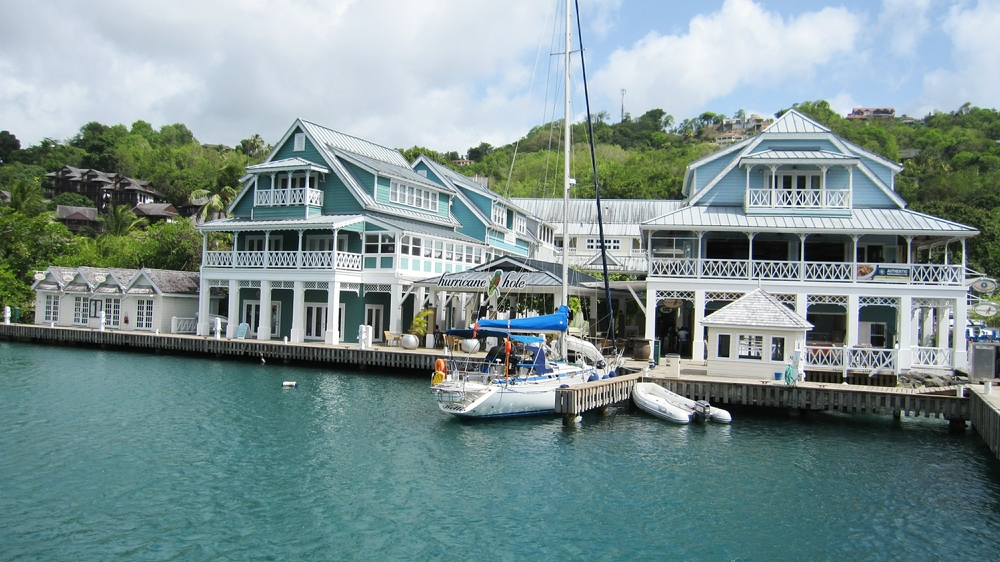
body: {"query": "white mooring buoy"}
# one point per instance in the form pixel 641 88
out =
pixel 289 384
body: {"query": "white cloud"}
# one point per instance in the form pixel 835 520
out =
pixel 907 23
pixel 397 72
pixel 975 52
pixel 740 45
pixel 843 103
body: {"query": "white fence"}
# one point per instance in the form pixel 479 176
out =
pixel 845 359
pixel 287 197
pixel 284 260
pixel 919 274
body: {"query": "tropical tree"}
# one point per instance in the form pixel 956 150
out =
pixel 119 220
pixel 215 199
pixel 26 198
pixel 8 144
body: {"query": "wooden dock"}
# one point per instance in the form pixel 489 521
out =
pixel 346 355
pixel 938 402
pixel 984 413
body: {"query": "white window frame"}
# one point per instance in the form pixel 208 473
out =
pixel 520 224
pixel 299 142
pixel 144 314
pixel 750 346
pixel 112 312
pixel 410 196
pixel 611 243
pixel 499 214
pixel 51 313
pixel 81 310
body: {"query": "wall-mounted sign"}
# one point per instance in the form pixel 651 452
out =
pixel 986 309
pixel 486 281
pixel 883 273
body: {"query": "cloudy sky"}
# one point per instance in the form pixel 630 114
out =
pixel 448 74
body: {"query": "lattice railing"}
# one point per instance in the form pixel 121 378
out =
pixel 776 270
pixel 249 259
pixel 667 267
pixel 933 357
pixel 727 269
pixel 286 197
pixel 218 259
pixel 930 274
pixel 828 357
pixel 829 271
pixel 874 359
pixel 183 325
pixel 282 259
pixel 285 260
pixel 798 198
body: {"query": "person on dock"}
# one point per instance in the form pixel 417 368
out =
pixel 683 339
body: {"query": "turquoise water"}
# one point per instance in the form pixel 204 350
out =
pixel 107 455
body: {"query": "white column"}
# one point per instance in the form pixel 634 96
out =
pixel 801 304
pixel 234 308
pixel 927 323
pixel 958 334
pixel 697 331
pixel 204 299
pixel 915 324
pixel 593 311
pixel 651 305
pixel 853 310
pixel 298 331
pixel 332 314
pixel 264 325
pixel 941 336
pixel 396 308
pixel 904 312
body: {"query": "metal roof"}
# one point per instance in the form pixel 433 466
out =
pixel 287 164
pixel 336 140
pixel 757 309
pixel 794 122
pixel 407 225
pixel 798 157
pixel 540 274
pixel 322 221
pixel 390 170
pixel 621 217
pixel 863 221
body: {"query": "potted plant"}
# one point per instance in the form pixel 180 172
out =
pixel 418 329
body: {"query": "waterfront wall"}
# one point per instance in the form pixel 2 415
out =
pixel 343 355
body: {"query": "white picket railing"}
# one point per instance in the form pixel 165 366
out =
pixel 797 199
pixel 183 325
pixel 287 197
pixel 919 274
pixel 284 260
pixel 870 359
pixel 933 357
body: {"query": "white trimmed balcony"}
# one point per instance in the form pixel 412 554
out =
pixel 766 198
pixel 846 272
pixel 297 196
pixel 284 260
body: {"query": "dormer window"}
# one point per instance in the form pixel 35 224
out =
pixel 413 196
pixel 499 214
pixel 520 224
pixel 300 142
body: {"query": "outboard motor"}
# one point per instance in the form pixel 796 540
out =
pixel 702 411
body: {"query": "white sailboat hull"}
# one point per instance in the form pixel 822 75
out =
pixel 500 398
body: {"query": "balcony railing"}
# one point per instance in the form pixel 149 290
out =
pixel 847 272
pixel 869 359
pixel 933 357
pixel 287 197
pixel 284 260
pixel 757 198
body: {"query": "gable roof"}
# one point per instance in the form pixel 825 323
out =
pixel 794 122
pixel 757 309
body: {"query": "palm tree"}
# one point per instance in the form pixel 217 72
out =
pixel 120 220
pixel 215 199
pixel 27 198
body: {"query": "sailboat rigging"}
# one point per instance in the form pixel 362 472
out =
pixel 521 378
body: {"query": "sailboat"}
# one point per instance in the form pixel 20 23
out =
pixel 520 377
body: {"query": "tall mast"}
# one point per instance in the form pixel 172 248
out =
pixel 566 148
